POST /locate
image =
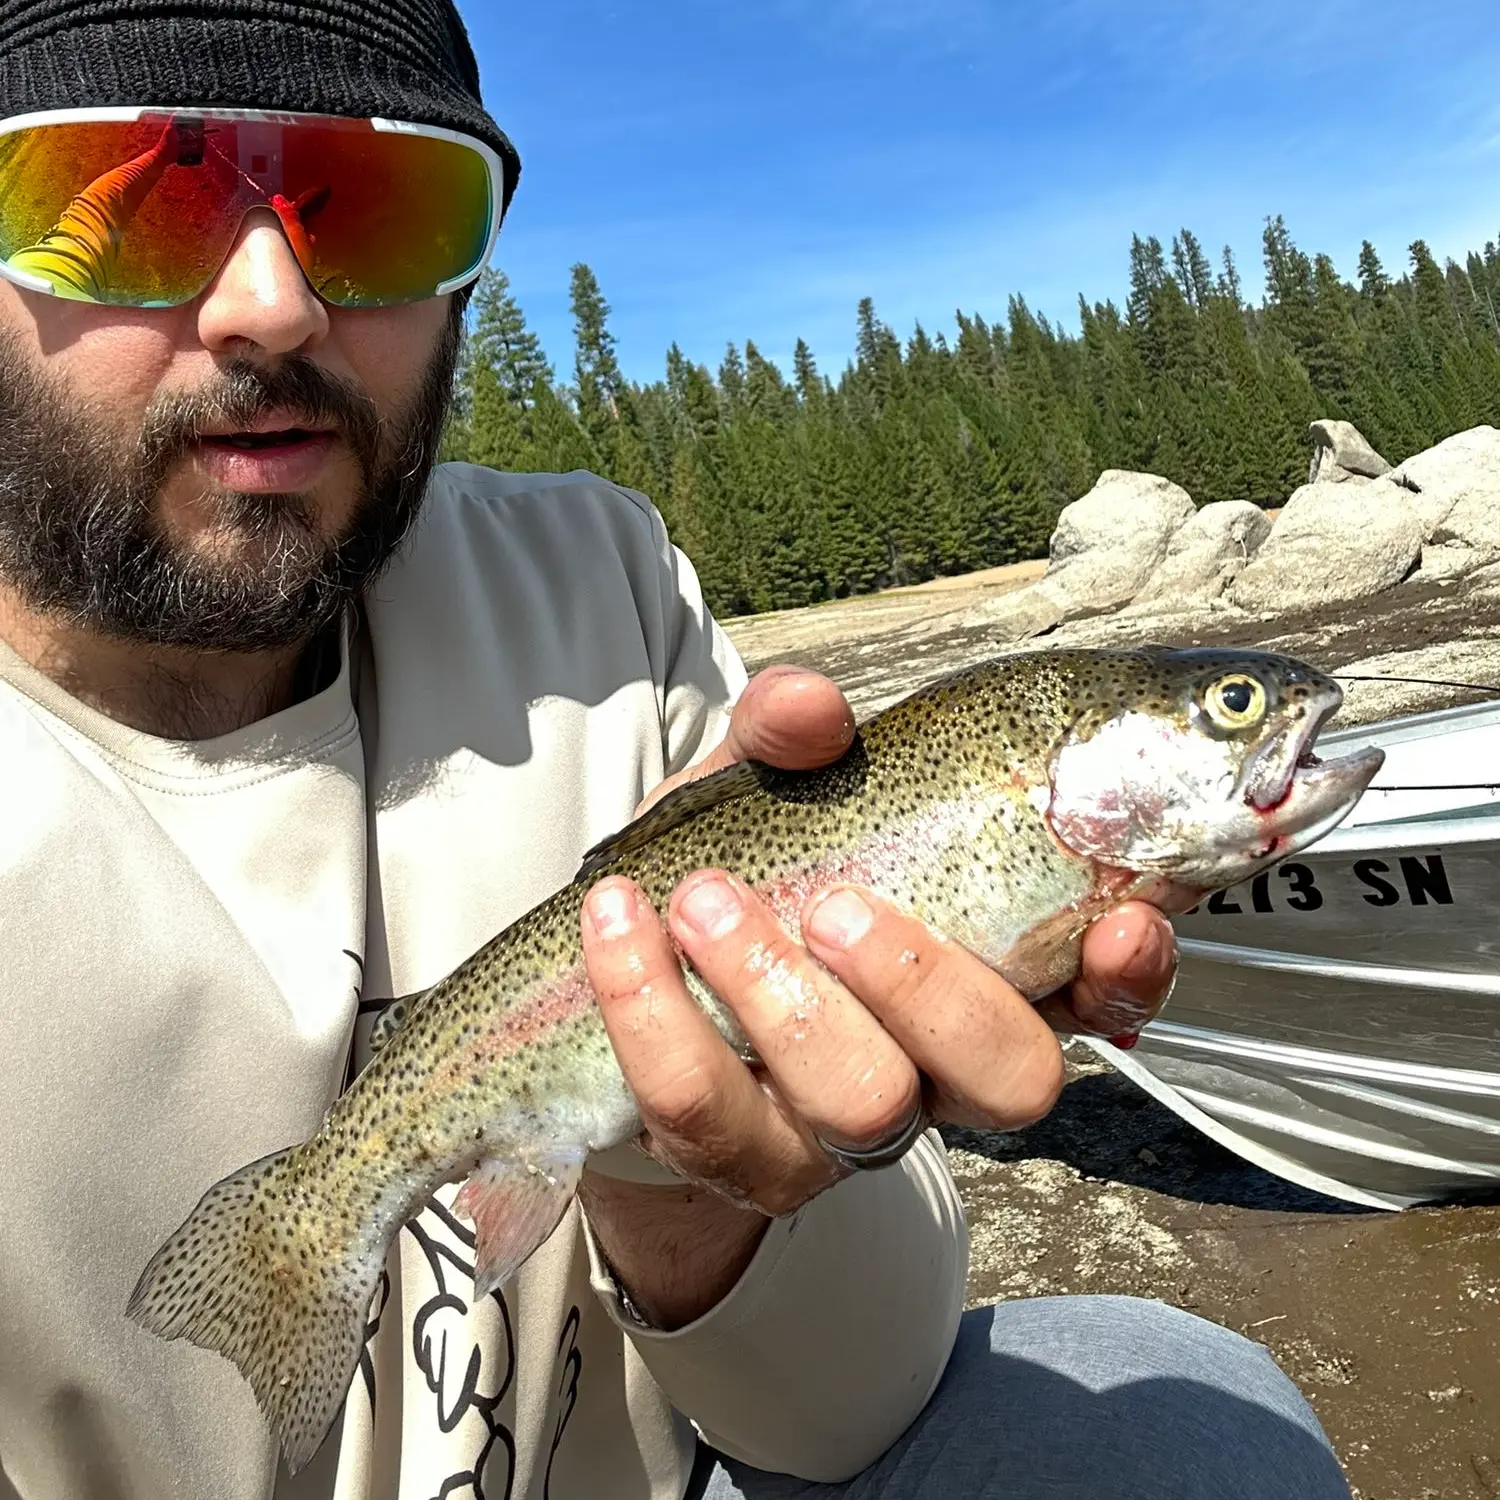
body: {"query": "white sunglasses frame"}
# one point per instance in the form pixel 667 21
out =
pixel 127 115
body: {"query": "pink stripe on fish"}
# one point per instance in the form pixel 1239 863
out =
pixel 525 1024
pixel 880 859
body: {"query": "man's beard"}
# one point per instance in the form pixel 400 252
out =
pixel 80 538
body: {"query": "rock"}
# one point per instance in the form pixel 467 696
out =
pixel 1105 547
pixel 1024 613
pixel 1456 489
pixel 1206 555
pixel 1340 453
pixel 1333 543
pixel 1450 561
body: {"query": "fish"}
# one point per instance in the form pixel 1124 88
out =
pixel 1008 806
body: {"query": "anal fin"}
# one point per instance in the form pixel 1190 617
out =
pixel 514 1206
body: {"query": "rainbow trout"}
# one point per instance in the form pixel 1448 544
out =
pixel 1007 806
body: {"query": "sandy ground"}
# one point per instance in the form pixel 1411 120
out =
pixel 1390 1323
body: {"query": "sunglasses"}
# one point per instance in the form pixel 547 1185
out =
pixel 140 207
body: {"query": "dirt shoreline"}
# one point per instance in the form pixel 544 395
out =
pixel 1390 1323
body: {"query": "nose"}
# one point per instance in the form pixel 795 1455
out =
pixel 260 300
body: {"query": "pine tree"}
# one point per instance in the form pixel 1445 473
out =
pixel 766 392
pixel 1194 275
pixel 732 378
pixel 878 358
pixel 1148 273
pixel 502 341
pixel 558 439
pixel 1373 283
pixel 1290 295
pixel 597 382
pixel 810 387
pixel 1229 279
pixel 498 427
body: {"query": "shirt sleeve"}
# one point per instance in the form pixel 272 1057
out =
pixel 834 1339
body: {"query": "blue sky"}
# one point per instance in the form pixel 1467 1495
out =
pixel 737 171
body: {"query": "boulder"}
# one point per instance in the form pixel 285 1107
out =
pixel 1456 489
pixel 1448 562
pixel 1207 554
pixel 1340 453
pixel 1331 544
pixel 1024 613
pixel 1105 546
pixel 1108 544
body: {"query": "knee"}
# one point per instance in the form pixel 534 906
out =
pixel 1109 1341
pixel 1167 1404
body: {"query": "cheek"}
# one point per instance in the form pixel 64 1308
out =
pixel 113 360
pixel 1138 791
pixel 388 348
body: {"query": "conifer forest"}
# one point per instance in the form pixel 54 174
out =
pixel 954 450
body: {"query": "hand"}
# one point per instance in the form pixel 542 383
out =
pixel 847 1026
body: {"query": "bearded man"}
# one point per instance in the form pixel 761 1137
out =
pixel 293 720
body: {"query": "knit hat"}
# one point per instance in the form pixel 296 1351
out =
pixel 398 59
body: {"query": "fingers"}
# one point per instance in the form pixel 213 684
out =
pixel 1129 963
pixel 846 1027
pixel 833 1063
pixel 787 717
pixel 993 1060
pixel 707 1116
pixel 792 719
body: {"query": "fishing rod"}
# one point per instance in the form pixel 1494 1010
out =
pixel 1453 786
pixel 1470 687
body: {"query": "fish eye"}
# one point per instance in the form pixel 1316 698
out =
pixel 1236 702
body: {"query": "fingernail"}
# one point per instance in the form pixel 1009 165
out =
pixel 1125 1043
pixel 840 920
pixel 612 910
pixel 712 908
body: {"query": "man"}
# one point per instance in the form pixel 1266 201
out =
pixel 262 774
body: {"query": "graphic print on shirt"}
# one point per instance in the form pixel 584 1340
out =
pixel 570 1359
pixel 467 1355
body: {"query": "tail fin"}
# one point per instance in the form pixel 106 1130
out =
pixel 262 1274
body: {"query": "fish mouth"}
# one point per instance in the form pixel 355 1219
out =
pixel 1297 792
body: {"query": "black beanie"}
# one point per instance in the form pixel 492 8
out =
pixel 398 59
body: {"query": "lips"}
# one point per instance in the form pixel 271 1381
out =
pixel 269 457
pixel 251 441
pixel 1296 792
pixel 279 427
pixel 1271 774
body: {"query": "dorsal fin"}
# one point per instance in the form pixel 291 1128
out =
pixel 732 782
pixel 845 778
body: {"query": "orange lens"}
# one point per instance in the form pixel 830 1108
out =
pixel 142 213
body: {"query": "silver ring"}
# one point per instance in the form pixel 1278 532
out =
pixel 885 1154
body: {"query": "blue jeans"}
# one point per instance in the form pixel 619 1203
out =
pixel 1072 1398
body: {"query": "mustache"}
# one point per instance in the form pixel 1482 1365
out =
pixel 243 392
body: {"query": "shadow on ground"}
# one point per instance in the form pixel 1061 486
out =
pixel 1108 1130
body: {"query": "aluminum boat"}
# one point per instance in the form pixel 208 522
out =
pixel 1337 1020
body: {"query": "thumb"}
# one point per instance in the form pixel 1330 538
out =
pixel 787 717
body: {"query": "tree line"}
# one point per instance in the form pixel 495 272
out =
pixel 955 450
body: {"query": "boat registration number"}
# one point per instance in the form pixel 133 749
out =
pixel 1404 880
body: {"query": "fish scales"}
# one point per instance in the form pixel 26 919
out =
pixel 1007 806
